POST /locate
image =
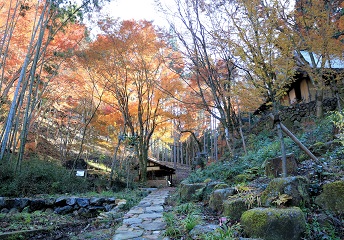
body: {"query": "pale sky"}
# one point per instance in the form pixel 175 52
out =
pixel 136 9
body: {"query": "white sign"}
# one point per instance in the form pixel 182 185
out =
pixel 80 173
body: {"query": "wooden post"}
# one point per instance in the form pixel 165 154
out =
pixel 300 144
pixel 284 158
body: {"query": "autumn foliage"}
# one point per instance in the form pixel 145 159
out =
pixel 156 88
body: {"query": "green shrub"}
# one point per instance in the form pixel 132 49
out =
pixel 322 131
pixel 222 170
pixel 191 221
pixel 187 208
pixel 38 177
pixel 172 228
pixel 132 197
pixel 318 231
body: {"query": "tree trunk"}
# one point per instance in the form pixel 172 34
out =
pixel 13 107
pixel 143 158
pixel 114 162
pixel 240 127
pixel 5 43
pixel 319 103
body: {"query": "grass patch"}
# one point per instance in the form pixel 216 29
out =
pixel 33 221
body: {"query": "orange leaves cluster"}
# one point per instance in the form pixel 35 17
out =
pixel 128 61
pixel 17 23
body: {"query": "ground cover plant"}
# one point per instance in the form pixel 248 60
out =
pixel 48 225
pixel 38 177
pixel 50 178
pixel 323 137
pixel 44 179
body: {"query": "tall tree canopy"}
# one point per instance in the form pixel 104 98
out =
pixel 130 56
pixel 33 47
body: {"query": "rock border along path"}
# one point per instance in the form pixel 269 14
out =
pixel 145 221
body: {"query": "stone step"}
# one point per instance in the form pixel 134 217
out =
pixel 145 221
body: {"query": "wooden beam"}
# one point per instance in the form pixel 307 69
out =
pixel 153 168
pixel 300 144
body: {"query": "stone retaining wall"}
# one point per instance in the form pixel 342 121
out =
pixel 296 114
pixel 303 111
pixel 61 205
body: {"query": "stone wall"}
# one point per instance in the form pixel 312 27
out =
pixel 294 115
pixel 61 205
pixel 302 112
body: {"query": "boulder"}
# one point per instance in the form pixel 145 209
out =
pixel 294 187
pixel 62 205
pixel 96 208
pixel 37 204
pixel 274 223
pixel 217 185
pixel 61 201
pixel 234 208
pixel 84 212
pixel 191 192
pixel 241 238
pixel 49 202
pixel 273 167
pixel 21 203
pixel 218 197
pixel 82 202
pixel 112 200
pixel 210 187
pixel 109 207
pixel 201 230
pixel 71 201
pixel 97 201
pixel 332 197
pixel 63 210
pixel 10 203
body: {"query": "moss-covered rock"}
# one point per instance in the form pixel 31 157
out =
pixel 332 197
pixel 210 187
pixel 234 208
pixel 217 198
pixel 191 192
pixel 295 187
pixel 274 223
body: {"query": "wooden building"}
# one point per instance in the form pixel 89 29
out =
pixel 302 89
pixel 159 174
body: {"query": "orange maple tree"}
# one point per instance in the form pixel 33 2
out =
pixel 129 57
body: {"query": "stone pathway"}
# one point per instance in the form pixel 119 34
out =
pixel 144 221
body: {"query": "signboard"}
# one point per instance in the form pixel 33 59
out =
pixel 80 173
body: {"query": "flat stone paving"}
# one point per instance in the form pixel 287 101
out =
pixel 144 221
